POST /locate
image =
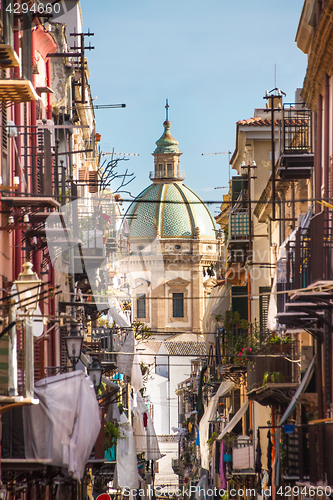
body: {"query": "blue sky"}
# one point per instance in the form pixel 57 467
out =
pixel 213 60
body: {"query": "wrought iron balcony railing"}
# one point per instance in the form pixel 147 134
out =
pixel 297 156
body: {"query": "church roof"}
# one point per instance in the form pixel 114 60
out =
pixel 173 210
pixel 186 348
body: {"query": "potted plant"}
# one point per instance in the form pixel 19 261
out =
pixel 281 344
pixel 273 377
pixel 211 440
pixel 228 441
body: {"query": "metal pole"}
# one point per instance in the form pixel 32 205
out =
pixel 273 158
pixel 56 171
pixel 12 362
pixel 29 358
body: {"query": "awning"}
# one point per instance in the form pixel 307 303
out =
pixel 301 388
pixel 235 419
pixel 209 414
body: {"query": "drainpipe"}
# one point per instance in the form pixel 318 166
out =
pixel 318 153
pixel 15 161
pixel 48 83
pixel 33 119
pixel 292 208
pixel 169 404
pixel 326 135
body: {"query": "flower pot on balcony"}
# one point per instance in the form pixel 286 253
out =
pixel 280 348
pixel 227 457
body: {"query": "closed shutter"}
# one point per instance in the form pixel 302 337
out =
pixel 263 309
pixel 93 181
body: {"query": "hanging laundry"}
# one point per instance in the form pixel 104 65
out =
pixel 258 465
pixel 127 473
pixel 269 457
pixel 223 472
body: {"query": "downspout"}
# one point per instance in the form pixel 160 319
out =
pixel 15 161
pixel 326 136
pixel 169 404
pixel 318 153
pixel 292 210
pixel 48 83
pixel 33 119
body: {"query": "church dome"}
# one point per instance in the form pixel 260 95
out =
pixel 168 207
pixel 172 210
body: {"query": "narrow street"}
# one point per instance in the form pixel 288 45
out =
pixel 166 313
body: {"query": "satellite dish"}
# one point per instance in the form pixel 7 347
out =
pixel 37 324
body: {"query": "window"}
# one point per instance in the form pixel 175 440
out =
pixel 141 306
pixel 160 170
pixel 169 169
pixel 178 305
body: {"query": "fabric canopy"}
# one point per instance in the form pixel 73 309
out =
pixel 209 414
pixel 235 419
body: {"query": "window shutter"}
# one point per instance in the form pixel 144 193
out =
pixel 93 181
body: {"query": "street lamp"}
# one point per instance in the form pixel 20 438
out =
pixel 74 345
pixel 28 287
pixel 95 372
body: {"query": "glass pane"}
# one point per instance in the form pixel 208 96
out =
pixel 178 305
pixel 141 306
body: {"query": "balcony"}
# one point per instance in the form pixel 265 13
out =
pixel 176 466
pixel 310 255
pixel 8 57
pixel 308 454
pixel 238 235
pixel 297 158
pixel 19 90
pixel 272 378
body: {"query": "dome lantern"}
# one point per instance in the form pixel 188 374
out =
pixel 167 156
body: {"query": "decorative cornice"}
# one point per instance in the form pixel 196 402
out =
pixel 320 57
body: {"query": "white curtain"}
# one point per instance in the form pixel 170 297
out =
pixel 209 414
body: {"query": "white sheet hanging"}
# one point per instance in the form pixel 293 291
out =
pixel 125 361
pixel 209 414
pixel 127 469
pixel 152 449
pixel 64 426
pixel 136 374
